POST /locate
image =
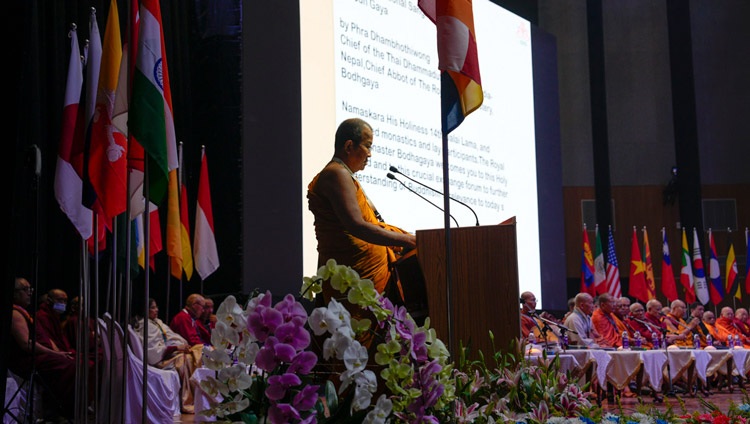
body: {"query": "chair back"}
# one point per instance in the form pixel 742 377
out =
pixel 136 344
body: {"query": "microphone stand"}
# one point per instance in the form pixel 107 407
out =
pixel 558 325
pixel 393 177
pixel 394 169
pixel 670 392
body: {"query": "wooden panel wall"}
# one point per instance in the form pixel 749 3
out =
pixel 643 206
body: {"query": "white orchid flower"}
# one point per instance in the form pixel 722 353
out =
pixel 236 377
pixel 323 320
pixel 355 357
pixel 380 412
pixel 229 312
pixel 216 359
pixel 247 352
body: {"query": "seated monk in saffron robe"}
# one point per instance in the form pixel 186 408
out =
pixel 605 322
pixel 726 324
pixel 676 324
pixel 709 323
pixel 347 226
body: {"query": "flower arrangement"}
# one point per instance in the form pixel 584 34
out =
pixel 264 365
pixel 267 359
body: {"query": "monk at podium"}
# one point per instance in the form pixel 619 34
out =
pixel 348 227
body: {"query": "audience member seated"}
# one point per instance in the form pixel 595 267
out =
pixel 741 316
pixel 187 322
pixel 744 313
pixel 571 306
pixel 709 325
pixel 208 319
pixel 56 368
pixel 727 324
pixel 49 329
pixel 655 317
pixel 606 323
pixel 530 322
pixel 580 321
pixel 167 349
pixel 622 311
pixel 696 312
pixel 70 328
pixel 677 326
pixel 637 322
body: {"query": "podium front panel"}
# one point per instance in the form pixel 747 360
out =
pixel 483 287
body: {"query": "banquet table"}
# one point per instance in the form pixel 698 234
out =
pixel 652 367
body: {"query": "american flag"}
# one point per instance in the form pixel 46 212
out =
pixel 613 273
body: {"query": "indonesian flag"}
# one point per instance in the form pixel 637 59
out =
pixel 206 255
pixel 686 272
pixel 68 183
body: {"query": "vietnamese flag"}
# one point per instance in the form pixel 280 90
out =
pixel 638 288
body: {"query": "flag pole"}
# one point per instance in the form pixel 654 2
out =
pixel 447 226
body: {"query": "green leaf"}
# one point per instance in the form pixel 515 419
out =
pixel 332 399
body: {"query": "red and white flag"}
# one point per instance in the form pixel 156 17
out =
pixel 68 183
pixel 107 161
pixel 205 253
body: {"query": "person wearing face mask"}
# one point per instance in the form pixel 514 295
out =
pixel 49 328
pixel 56 368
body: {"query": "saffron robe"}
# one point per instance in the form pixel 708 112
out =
pixel 608 328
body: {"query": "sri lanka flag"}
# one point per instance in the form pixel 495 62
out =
pixel 460 83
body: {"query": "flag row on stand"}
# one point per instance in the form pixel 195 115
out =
pixel 117 126
pixel 600 275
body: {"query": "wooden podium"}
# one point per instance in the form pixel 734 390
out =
pixel 484 286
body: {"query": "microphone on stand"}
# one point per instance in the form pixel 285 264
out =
pixel 394 169
pixel 550 322
pixel 393 177
pixel 647 324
